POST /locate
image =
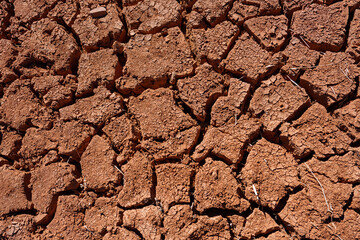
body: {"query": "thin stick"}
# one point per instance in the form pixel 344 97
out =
pixel 78 153
pixel 333 90
pixel 303 67
pixel 267 164
pixel 119 170
pixel 315 226
pixel 322 189
pixel 337 235
pixel 346 71
pixel 293 82
pixel 304 41
pixel 311 67
pixel 345 74
pixel 88 229
pixel 256 194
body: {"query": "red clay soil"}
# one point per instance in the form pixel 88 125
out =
pixel 179 119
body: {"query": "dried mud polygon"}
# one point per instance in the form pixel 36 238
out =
pixel 179 119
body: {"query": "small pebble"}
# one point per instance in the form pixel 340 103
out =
pixel 132 33
pixel 118 47
pixel 148 37
pixel 98 12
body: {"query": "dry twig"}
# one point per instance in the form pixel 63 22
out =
pixel 304 41
pixel 256 194
pixel 292 81
pixel 119 170
pixel 322 188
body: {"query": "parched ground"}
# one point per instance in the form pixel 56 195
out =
pixel 179 119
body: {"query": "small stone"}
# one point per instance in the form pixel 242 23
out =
pixel 98 12
pixel 97 32
pixel 118 47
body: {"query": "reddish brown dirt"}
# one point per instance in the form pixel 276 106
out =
pixel 230 106
pixel 152 16
pixel 322 27
pixel 277 101
pixel 179 119
pixel 270 31
pixel 248 59
pixel 214 43
pixel 200 91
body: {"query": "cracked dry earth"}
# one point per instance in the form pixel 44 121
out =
pixel 179 119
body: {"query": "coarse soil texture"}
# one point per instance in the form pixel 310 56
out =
pixel 179 119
